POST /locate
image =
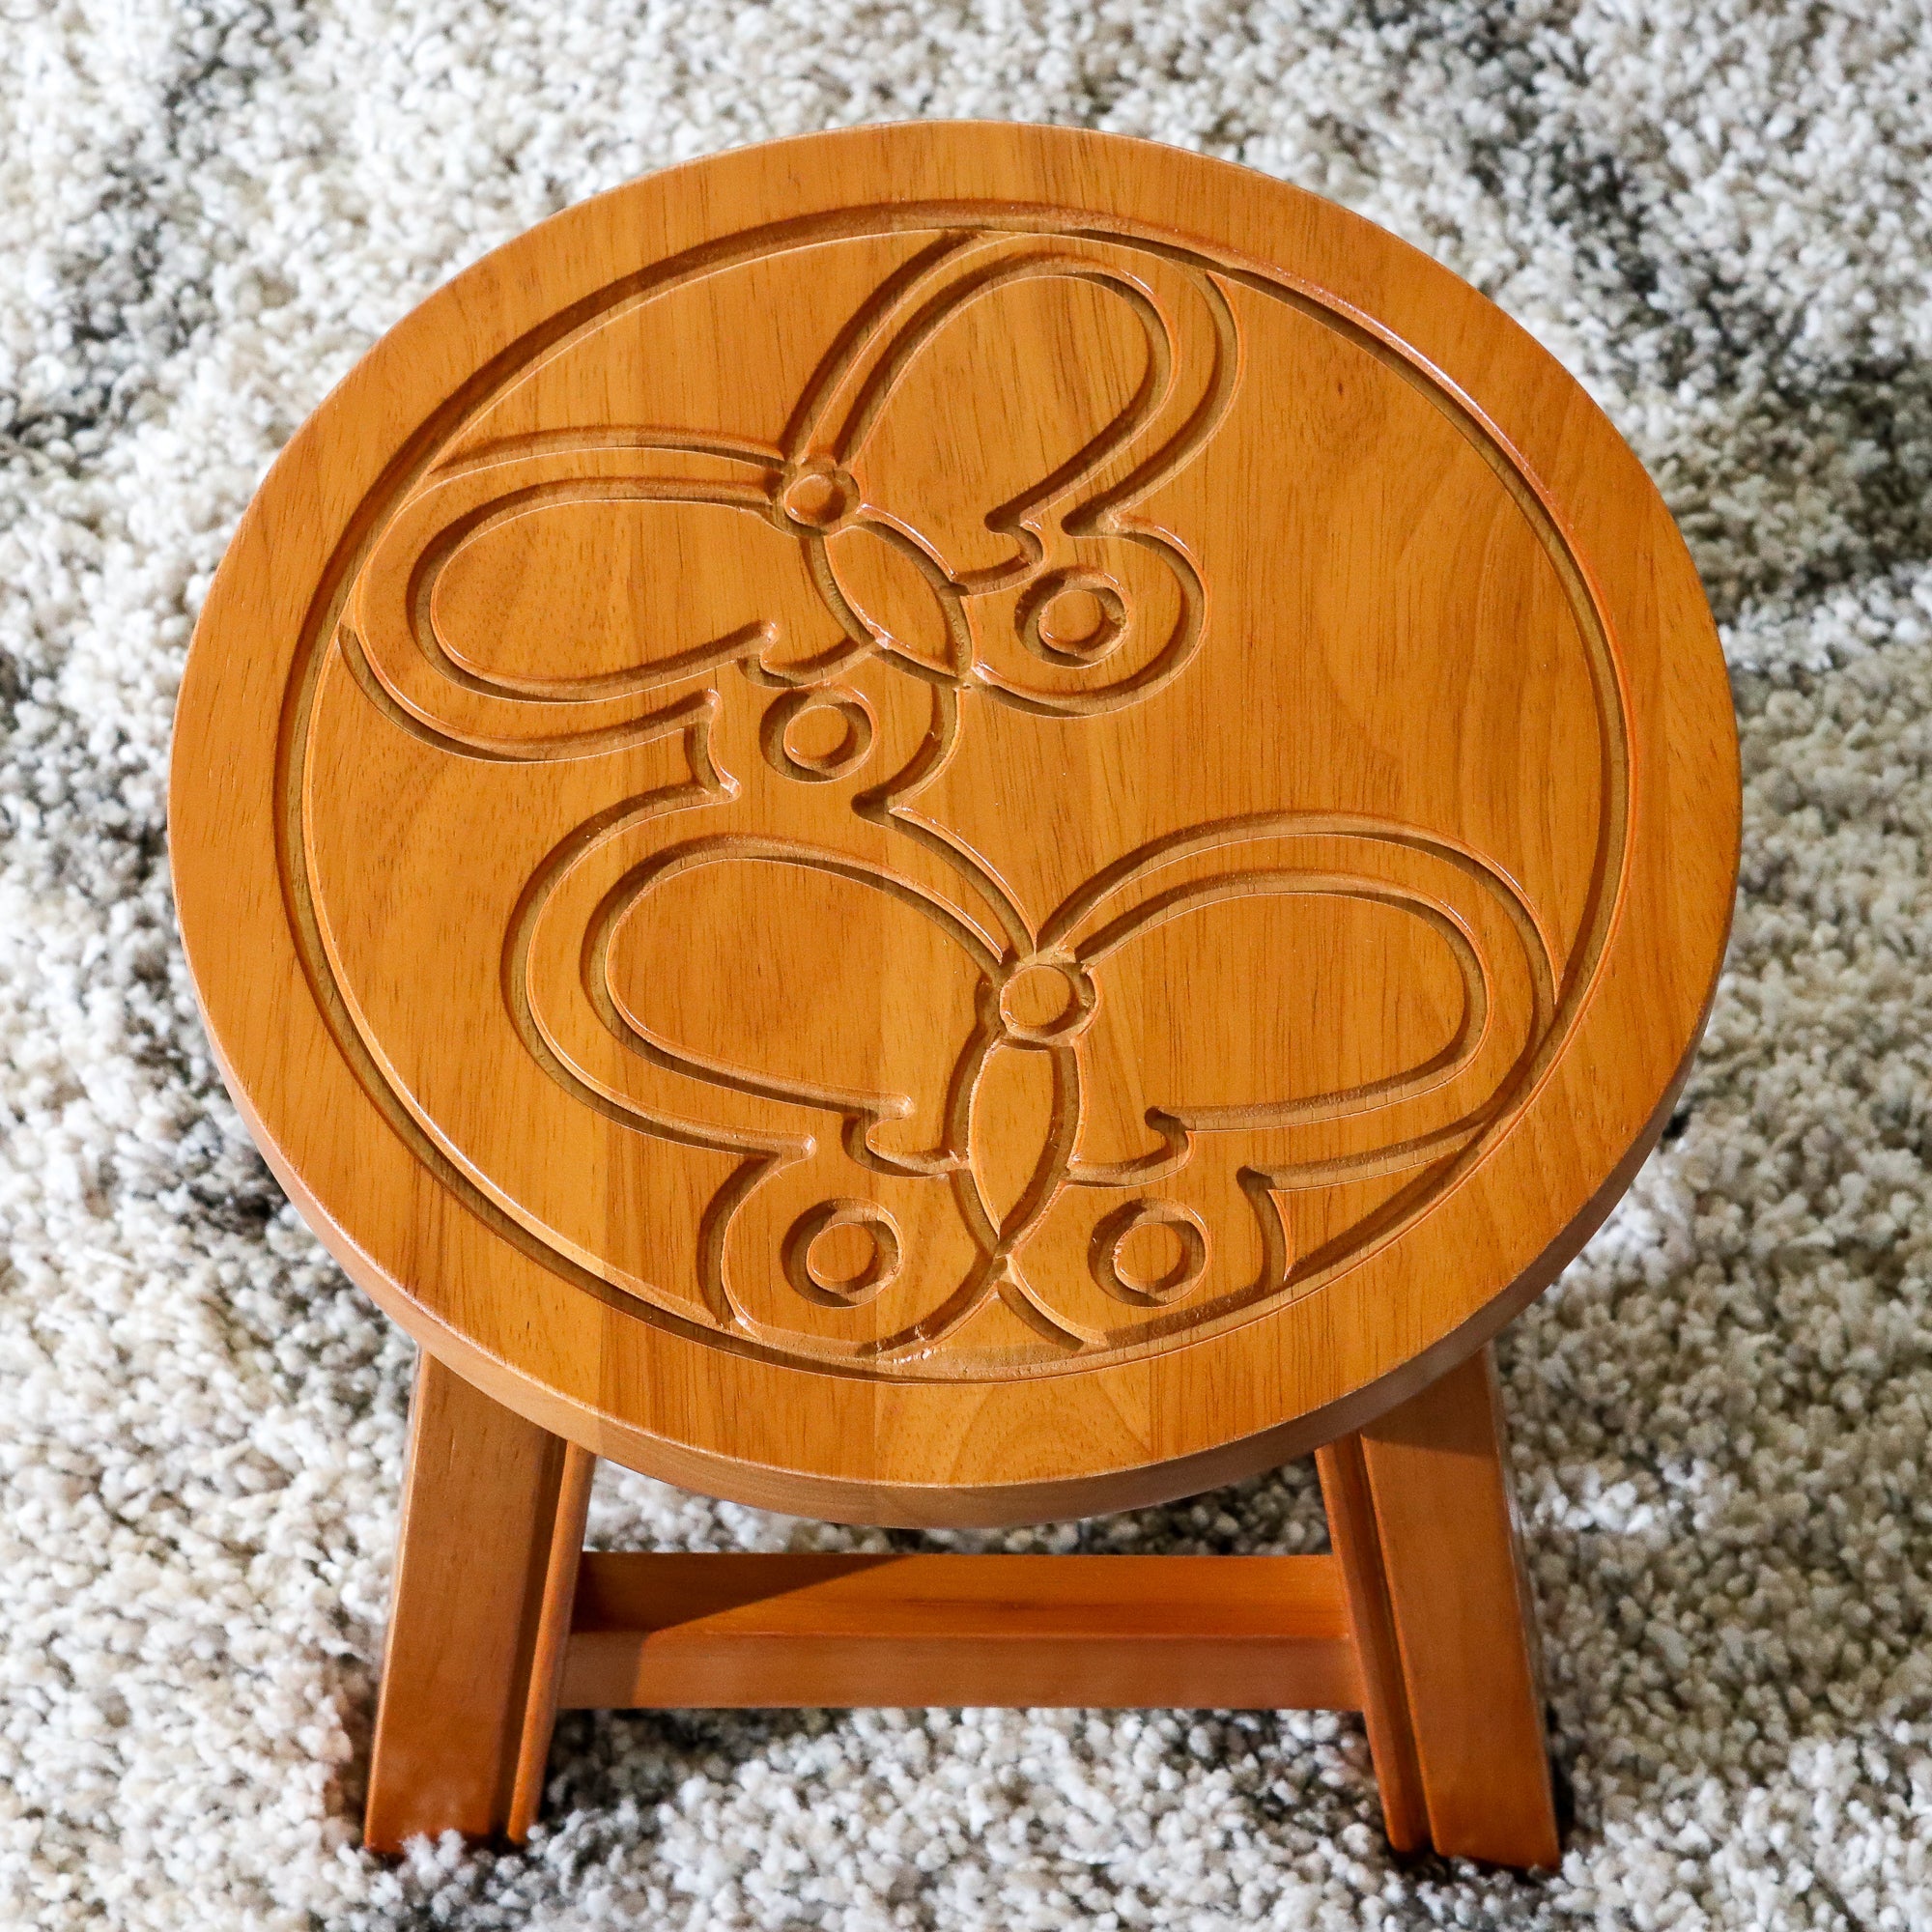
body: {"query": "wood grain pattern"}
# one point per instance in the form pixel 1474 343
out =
pixel 480 1518
pixel 1264 1633
pixel 1350 1506
pixel 955 823
pixel 1421 1619
pixel 552 1643
pixel 987 1163
pixel 1445 1521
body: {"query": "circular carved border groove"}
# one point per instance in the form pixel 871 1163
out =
pixel 696 1389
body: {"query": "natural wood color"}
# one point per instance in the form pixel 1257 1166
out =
pixel 957 824
pixel 1438 1471
pixel 473 1550
pixel 1199 760
pixel 552 1640
pixel 1359 1557
pixel 659 1631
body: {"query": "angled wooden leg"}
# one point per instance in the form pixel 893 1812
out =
pixel 1421 1515
pixel 553 1623
pixel 486 1567
pixel 1358 1551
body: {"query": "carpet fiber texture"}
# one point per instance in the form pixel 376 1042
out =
pixel 1721 216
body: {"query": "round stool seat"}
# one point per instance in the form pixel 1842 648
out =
pixel 955 823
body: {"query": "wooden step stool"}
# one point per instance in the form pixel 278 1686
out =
pixel 949 825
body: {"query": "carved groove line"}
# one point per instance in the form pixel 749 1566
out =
pixel 1558 996
pixel 999 1244
pixel 868 361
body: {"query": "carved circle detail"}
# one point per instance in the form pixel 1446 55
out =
pixel 1074 618
pixel 810 1270
pixel 1046 999
pixel 818 734
pixel 820 496
pixel 1112 1265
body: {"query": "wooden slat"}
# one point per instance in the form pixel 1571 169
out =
pixel 681 1631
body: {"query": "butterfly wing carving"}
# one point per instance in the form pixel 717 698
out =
pixel 924 1119
pixel 1223 1068
pixel 1299 1022
pixel 552 601
pixel 541 597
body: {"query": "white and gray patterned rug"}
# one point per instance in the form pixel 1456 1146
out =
pixel 1721 216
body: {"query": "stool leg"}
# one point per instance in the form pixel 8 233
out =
pixel 1423 1523
pixel 486 1567
pixel 1385 1716
pixel 559 1594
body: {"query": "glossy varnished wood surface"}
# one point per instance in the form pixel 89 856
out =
pixel 954 823
pixel 1256 1632
pixel 1421 1619
pixel 1421 1512
pixel 1361 1563
pixel 458 1746
pixel 550 1650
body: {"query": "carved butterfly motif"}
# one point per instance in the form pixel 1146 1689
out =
pixel 936 1110
pixel 1053 1120
pixel 1052 596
